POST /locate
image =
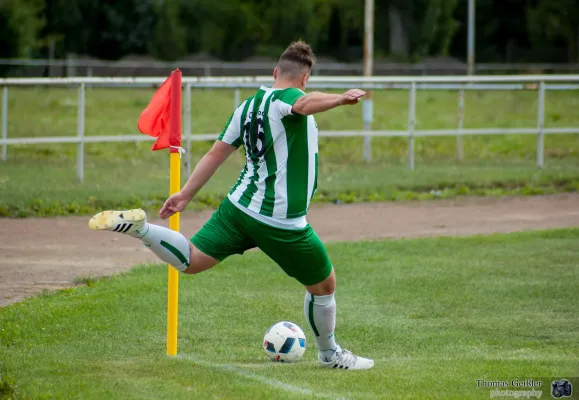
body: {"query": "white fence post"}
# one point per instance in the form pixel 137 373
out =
pixel 541 125
pixel 80 134
pixel 5 122
pixel 411 123
pixel 70 65
pixel 236 98
pixel 187 120
pixel 460 117
pixel 367 118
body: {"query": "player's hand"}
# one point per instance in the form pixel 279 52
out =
pixel 352 96
pixel 174 204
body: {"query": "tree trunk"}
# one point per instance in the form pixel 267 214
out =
pixel 398 33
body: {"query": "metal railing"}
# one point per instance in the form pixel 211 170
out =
pixel 538 83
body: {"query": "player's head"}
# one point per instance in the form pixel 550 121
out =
pixel 295 64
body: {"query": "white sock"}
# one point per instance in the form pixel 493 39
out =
pixel 170 246
pixel 321 316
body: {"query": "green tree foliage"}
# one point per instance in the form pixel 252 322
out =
pixel 430 25
pixel 237 29
pixel 345 30
pixel 553 27
pixel 437 28
pixel 297 21
pixel 106 29
pixel 226 29
pixel 506 30
pixel 20 25
pixel 168 42
pixel 499 25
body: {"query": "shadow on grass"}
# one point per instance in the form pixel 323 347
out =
pixel 9 389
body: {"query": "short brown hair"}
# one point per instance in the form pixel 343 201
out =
pixel 297 59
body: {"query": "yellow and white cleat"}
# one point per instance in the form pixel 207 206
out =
pixel 130 222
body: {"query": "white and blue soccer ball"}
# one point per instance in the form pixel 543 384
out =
pixel 284 342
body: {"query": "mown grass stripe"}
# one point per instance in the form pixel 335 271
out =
pixel 278 384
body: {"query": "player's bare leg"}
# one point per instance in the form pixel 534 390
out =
pixel 320 310
pixel 325 287
pixel 199 261
pixel 170 246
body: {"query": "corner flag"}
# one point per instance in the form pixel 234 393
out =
pixel 162 119
pixel 163 110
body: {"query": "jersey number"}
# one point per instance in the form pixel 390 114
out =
pixel 255 140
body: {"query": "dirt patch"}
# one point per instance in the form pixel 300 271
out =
pixel 49 253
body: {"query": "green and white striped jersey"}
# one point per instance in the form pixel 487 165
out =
pixel 281 151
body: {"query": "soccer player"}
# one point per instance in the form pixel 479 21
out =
pixel 267 206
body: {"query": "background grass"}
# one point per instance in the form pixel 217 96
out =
pixel 41 180
pixel 436 314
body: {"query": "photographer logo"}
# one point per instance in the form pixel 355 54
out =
pixel 561 388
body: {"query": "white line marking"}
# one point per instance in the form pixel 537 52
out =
pixel 261 378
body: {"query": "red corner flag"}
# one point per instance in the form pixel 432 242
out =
pixel 156 121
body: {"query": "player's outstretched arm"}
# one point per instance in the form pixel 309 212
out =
pixel 201 174
pixel 317 102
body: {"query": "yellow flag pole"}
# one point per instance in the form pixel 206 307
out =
pixel 173 298
pixel 174 187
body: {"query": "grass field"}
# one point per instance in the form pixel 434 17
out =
pixel 40 180
pixel 436 314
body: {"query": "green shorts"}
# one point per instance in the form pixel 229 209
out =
pixel 300 253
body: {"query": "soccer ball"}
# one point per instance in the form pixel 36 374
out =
pixel 284 342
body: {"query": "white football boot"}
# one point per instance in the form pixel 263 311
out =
pixel 344 359
pixel 130 222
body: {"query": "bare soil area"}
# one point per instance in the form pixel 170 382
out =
pixel 50 253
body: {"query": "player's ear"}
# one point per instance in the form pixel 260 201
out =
pixel 305 79
pixel 275 73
